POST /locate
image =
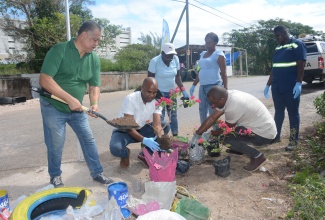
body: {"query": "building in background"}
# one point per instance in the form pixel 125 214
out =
pixel 10 48
pixel 122 40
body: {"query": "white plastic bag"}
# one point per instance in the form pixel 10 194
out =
pixel 161 214
pixel 139 207
pixel 112 211
pixel 163 192
pixel 196 154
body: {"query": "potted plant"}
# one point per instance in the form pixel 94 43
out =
pixel 222 166
pixel 165 141
pixel 212 146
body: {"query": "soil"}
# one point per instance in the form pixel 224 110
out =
pixel 165 142
pixel 242 195
pixel 123 123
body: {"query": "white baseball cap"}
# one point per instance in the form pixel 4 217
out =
pixel 169 48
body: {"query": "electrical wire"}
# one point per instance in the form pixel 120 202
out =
pixel 214 13
pixel 221 12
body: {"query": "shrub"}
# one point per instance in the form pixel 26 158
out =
pixel 319 103
pixel 108 65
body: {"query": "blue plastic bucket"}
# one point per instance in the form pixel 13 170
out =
pixel 119 191
pixel 4 199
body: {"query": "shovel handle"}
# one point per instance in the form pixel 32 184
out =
pixel 49 95
pixel 84 108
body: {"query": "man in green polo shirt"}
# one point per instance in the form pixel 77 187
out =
pixel 67 69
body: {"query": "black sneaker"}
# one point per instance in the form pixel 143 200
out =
pixel 57 182
pixel 290 147
pixel 101 178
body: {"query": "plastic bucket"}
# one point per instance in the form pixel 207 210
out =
pixel 4 199
pixel 119 191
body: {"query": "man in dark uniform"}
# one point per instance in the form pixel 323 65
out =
pixel 286 77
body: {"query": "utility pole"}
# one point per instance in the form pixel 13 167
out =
pixel 67 19
pixel 187 38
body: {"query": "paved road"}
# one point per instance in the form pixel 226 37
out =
pixel 22 134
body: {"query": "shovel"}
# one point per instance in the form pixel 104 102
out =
pixel 118 123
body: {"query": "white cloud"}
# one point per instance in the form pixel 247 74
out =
pixel 146 16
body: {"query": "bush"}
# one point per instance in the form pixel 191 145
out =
pixel 135 57
pixel 108 65
pixel 319 103
pixel 14 69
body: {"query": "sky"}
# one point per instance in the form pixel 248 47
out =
pixel 218 16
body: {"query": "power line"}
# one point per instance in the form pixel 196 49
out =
pixel 221 12
pixel 213 13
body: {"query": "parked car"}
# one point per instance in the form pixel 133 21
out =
pixel 314 67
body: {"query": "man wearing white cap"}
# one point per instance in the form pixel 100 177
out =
pixel 165 68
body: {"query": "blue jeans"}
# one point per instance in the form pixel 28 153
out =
pixel 171 113
pixel 120 139
pixel 54 125
pixel 204 105
pixel 281 102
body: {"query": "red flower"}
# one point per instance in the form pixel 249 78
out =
pixel 200 141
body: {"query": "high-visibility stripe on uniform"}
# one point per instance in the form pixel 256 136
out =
pixel 284 64
pixel 294 45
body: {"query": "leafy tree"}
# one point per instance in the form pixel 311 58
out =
pixel 135 57
pixel 50 31
pixel 39 24
pixel 109 33
pixel 151 39
pixel 78 9
pixel 259 41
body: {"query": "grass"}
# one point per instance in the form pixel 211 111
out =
pixel 308 186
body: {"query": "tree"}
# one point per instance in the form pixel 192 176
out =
pixel 259 42
pixel 109 33
pixel 78 9
pixel 135 57
pixel 151 39
pixel 48 32
pixel 41 24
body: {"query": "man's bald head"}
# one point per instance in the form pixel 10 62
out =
pixel 149 89
pixel 149 82
pixel 217 92
pixel 217 96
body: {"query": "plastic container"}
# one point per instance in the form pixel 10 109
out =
pixel 4 200
pixel 119 191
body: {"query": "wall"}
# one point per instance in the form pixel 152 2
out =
pixel 17 86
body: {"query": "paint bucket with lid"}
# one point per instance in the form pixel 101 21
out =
pixel 4 199
pixel 119 191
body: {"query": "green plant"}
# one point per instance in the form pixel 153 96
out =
pixel 107 65
pixel 226 130
pixel 319 103
pixel 169 102
pixel 308 191
pixel 14 69
pixel 212 143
